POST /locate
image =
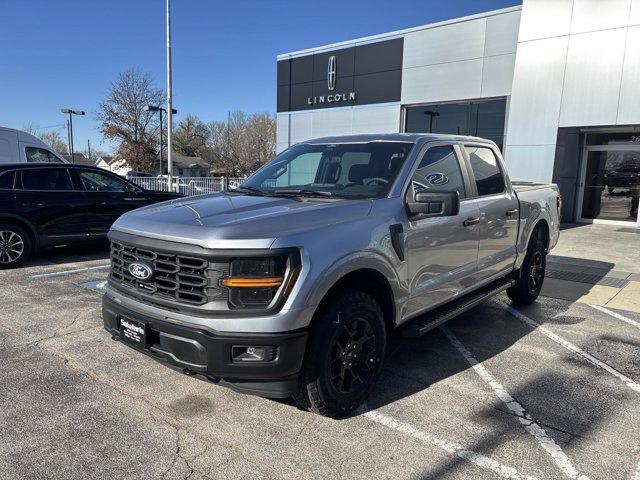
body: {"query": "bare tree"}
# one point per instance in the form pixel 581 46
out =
pixel 122 117
pixel 241 144
pixel 51 137
pixel 190 136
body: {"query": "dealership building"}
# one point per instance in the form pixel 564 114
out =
pixel 555 83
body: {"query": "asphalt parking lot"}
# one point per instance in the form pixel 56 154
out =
pixel 550 391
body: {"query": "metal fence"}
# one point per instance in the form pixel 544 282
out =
pixel 189 185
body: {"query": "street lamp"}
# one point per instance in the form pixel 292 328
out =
pixel 71 112
pixel 152 108
pixel 431 113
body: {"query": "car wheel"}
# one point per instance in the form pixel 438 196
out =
pixel 15 245
pixel 530 277
pixel 344 355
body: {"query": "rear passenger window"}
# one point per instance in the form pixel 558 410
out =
pixel 6 180
pixel 489 178
pixel 46 179
pixel 439 171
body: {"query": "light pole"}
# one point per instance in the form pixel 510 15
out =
pixel 71 112
pixel 152 108
pixel 169 100
pixel 431 113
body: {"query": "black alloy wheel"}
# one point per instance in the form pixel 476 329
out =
pixel 352 356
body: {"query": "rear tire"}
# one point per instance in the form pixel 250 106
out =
pixel 15 245
pixel 530 277
pixel 344 355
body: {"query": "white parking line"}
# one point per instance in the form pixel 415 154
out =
pixel 68 272
pixel 573 348
pixel 636 476
pixel 558 456
pixel 616 315
pixel 450 447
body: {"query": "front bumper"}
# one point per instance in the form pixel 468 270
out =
pixel 196 350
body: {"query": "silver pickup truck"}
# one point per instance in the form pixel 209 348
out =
pixel 289 285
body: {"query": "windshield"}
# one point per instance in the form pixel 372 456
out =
pixel 345 170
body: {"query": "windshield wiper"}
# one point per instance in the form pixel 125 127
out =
pixel 248 189
pixel 304 192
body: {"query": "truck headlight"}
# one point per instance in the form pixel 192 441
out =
pixel 253 282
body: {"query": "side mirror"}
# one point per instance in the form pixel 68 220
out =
pixel 434 204
pixel 131 190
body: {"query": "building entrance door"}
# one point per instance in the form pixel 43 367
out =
pixel 610 184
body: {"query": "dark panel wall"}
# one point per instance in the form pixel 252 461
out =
pixel 373 72
pixel 566 169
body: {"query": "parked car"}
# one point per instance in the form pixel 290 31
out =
pixel 289 284
pixel 625 177
pixel 45 205
pixel 19 146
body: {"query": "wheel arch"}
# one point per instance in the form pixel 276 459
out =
pixel 370 281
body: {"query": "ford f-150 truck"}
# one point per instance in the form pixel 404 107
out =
pixel 289 285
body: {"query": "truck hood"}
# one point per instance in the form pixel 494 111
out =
pixel 237 221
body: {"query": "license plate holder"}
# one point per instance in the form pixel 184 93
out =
pixel 133 332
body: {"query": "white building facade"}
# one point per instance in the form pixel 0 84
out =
pixel 555 83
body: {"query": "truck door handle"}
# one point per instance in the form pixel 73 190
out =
pixel 471 221
pixel 512 212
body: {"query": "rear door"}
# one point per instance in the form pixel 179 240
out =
pixel 47 196
pixel 498 207
pixel 442 252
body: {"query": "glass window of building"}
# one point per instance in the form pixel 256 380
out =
pixel 482 118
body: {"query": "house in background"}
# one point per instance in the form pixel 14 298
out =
pixel 189 166
pixel 79 159
pixel 183 166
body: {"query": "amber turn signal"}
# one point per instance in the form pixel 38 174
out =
pixel 265 282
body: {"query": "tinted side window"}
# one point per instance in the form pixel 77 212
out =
pixel 39 155
pixel 101 182
pixel 46 179
pixel 439 171
pixel 6 180
pixel 489 178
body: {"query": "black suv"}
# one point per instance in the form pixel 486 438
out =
pixel 56 204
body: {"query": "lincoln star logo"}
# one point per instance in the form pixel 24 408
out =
pixel 140 271
pixel 331 73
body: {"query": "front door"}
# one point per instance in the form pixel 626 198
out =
pixel 442 252
pixel 107 197
pixel 610 185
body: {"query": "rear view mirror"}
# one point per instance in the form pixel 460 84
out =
pixel 434 204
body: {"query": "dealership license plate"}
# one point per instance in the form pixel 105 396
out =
pixel 133 332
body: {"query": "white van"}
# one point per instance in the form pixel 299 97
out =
pixel 17 146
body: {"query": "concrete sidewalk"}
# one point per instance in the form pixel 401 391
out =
pixel 596 264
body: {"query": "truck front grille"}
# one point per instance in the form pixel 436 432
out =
pixel 184 279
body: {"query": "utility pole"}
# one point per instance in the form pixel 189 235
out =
pixel 169 100
pixel 89 148
pixel 69 139
pixel 71 113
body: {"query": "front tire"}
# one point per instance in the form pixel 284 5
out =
pixel 15 245
pixel 344 355
pixel 530 277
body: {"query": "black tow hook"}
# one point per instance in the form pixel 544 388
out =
pixel 188 372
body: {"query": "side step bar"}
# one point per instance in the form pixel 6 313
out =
pixel 438 316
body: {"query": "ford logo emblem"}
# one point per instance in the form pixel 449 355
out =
pixel 437 179
pixel 140 271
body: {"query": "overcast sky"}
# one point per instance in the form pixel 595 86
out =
pixel 66 52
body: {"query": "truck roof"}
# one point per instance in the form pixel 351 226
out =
pixel 394 137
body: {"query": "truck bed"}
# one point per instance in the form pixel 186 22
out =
pixel 524 186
